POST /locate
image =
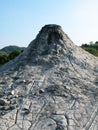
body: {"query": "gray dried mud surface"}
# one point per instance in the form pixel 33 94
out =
pixel 52 85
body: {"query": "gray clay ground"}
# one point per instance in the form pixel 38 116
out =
pixel 52 85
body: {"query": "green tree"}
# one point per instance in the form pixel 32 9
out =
pixel 13 55
pixel 91 48
pixel 3 59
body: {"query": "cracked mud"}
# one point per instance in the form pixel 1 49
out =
pixel 50 86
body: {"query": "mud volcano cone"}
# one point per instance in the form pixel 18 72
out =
pixel 52 85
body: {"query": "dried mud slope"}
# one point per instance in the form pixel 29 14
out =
pixel 52 85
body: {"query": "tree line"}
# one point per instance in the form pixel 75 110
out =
pixel 91 48
pixel 4 57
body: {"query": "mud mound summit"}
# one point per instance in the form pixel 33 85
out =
pixel 52 85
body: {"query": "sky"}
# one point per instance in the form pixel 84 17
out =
pixel 21 20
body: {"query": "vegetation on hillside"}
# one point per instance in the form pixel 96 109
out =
pixel 91 48
pixel 10 49
pixel 9 53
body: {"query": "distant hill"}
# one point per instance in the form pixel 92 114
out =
pixel 10 49
pixel 9 52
